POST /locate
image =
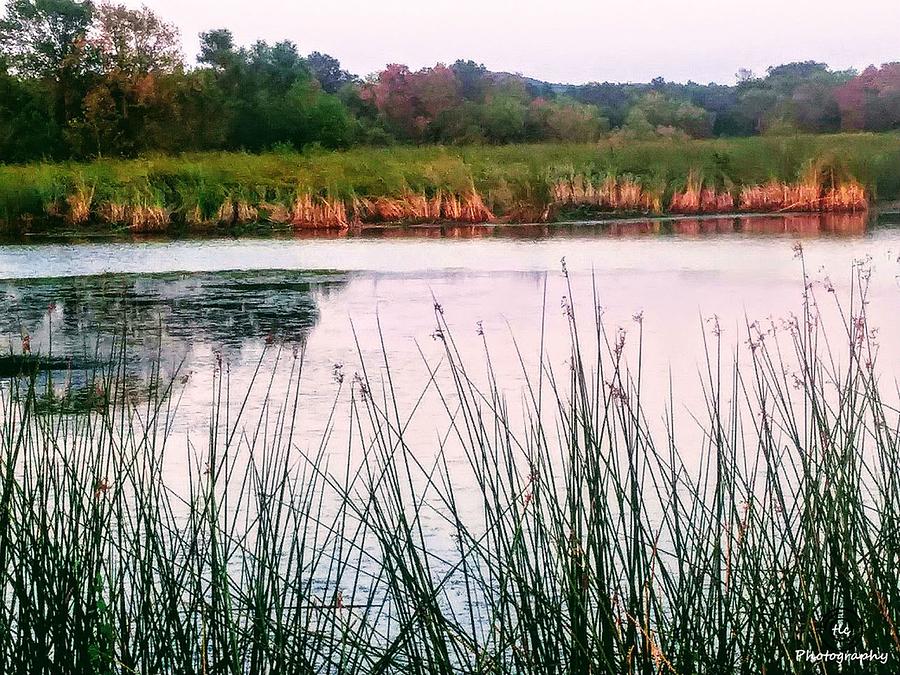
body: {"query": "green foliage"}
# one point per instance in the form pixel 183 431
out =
pixel 43 39
pixel 654 113
pixel 505 175
pixel 80 81
pixel 503 118
pixel 28 129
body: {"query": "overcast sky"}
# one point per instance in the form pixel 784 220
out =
pixel 562 40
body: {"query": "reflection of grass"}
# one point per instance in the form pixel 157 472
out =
pixel 580 541
pixel 17 365
pixel 72 400
pixel 201 191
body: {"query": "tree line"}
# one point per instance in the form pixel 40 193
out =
pixel 79 80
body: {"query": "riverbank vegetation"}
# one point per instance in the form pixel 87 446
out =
pixel 518 183
pixel 80 80
pixel 263 135
pixel 574 536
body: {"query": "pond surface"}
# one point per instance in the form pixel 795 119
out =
pixel 348 299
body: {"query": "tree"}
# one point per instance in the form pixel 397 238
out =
pixel 134 42
pixel 472 78
pixel 135 51
pixel 327 70
pixel 757 104
pixel 27 129
pixel 504 117
pixel 871 100
pixel 392 92
pixel 217 49
pixel 564 120
pixel 814 107
pixel 436 90
pixel 660 111
pixel 46 40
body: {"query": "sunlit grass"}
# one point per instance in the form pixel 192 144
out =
pixel 193 189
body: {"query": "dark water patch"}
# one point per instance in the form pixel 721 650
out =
pixel 223 309
pixel 18 365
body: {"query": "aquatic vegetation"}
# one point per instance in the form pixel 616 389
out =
pixel 575 535
pixel 612 193
pixel 697 198
pixel 78 205
pixel 527 183
pixel 418 208
pixel 318 213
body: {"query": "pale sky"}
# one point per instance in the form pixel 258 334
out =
pixel 561 40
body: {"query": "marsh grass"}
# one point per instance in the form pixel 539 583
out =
pixel 516 183
pixel 586 538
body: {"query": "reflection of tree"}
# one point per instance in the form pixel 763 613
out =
pixel 221 309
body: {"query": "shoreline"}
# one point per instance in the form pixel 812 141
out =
pixel 795 222
pixel 543 183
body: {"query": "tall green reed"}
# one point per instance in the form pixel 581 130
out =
pixel 571 532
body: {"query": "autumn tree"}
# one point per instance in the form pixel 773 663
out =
pixel 871 100
pixel 138 56
pixel 134 42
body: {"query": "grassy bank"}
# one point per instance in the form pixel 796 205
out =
pixel 470 184
pixel 585 542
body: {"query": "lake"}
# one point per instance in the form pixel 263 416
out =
pixel 377 324
pixel 345 298
pixel 357 302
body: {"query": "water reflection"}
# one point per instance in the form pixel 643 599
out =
pixel 224 310
pixel 803 224
pixel 798 224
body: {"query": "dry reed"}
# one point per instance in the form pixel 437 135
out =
pixel 417 208
pixel 148 219
pixel 695 198
pixel 805 195
pixel 319 213
pixel 139 218
pixel 612 193
pixel 79 206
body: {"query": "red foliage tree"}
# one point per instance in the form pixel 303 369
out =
pixel 871 100
pixel 410 101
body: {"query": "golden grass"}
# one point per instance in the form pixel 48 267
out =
pixel 695 198
pixel 806 195
pixel 275 213
pixel 137 218
pixel 79 205
pixel 612 193
pixel 319 213
pixel 417 208
pixel 529 184
pixel 148 219
pixel 627 194
pixel 849 196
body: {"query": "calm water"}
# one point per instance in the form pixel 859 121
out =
pixel 239 300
